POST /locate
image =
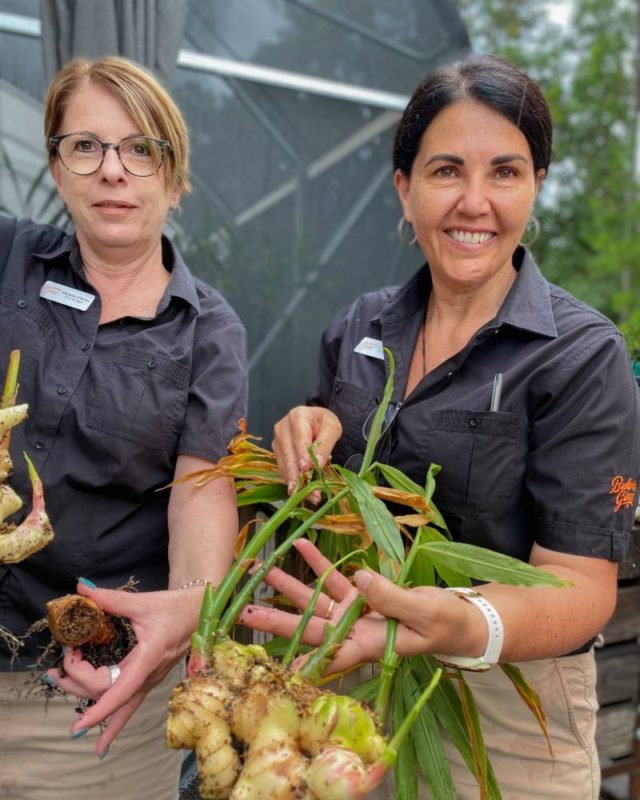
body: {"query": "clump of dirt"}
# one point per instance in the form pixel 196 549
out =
pixel 122 641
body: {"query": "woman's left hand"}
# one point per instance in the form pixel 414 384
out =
pixel 163 622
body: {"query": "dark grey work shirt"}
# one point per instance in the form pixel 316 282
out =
pixel 558 462
pixel 110 408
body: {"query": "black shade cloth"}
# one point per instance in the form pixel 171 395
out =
pixel 146 31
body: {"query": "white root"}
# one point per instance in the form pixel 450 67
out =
pixel 199 722
pixel 6 465
pixel 274 767
pixel 339 774
pixel 10 501
pixel 12 416
pixel 34 533
pixel 339 721
pixel 243 716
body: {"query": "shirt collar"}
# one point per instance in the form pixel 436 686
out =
pixel 182 283
pixel 527 305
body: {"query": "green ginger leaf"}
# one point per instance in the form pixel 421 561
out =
pixel 428 742
pixel 487 565
pixel 377 517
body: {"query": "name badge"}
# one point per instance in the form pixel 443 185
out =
pixel 370 347
pixel 66 295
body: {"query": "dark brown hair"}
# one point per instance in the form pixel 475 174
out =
pixel 487 79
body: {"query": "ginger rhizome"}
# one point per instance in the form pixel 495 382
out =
pixel 262 732
pixel 35 532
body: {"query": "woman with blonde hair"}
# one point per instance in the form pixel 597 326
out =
pixel 134 371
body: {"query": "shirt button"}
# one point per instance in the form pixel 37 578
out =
pixel 39 445
pixel 152 363
pixel 22 304
pixel 338 389
pixel 85 346
pixel 450 374
pixel 61 389
pixel 474 422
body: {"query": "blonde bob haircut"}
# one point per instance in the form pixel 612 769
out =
pixel 144 99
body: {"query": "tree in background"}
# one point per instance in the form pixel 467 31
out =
pixel 590 207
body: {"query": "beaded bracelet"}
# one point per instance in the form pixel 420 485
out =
pixel 191 584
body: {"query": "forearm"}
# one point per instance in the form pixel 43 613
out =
pixel 203 527
pixel 539 622
pixel 542 622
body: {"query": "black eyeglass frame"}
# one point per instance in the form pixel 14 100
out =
pixel 355 459
pixel 388 420
pixel 54 144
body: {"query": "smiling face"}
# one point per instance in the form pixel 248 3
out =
pixel 110 208
pixel 469 195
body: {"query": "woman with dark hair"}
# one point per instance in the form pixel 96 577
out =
pixel 524 396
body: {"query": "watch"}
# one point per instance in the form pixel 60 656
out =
pixel 496 634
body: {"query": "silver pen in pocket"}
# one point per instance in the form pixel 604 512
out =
pixel 496 394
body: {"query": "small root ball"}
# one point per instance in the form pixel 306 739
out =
pixel 75 620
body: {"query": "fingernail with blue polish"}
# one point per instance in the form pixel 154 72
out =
pixel 80 732
pixel 103 754
pixel 87 582
pixel 48 680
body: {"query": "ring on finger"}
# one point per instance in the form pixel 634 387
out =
pixel 114 672
pixel 330 609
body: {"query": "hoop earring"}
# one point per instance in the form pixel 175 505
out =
pixel 533 228
pixel 403 236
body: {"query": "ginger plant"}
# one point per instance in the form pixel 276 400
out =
pixel 352 524
pixel 35 532
pixel 263 732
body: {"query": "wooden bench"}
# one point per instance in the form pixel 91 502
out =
pixel 618 662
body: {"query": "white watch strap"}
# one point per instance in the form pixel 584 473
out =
pixel 493 649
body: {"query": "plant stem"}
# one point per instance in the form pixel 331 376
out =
pixel 11 380
pixel 253 548
pixel 391 751
pixel 250 552
pixel 315 665
pixel 388 667
pixel 198 653
pixel 390 659
pixel 293 645
pixel 378 418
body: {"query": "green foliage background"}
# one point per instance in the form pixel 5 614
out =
pixel 589 208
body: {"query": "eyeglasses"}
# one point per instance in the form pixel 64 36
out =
pixel 387 421
pixel 83 153
pixel 354 462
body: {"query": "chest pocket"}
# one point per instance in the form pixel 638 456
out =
pixel 142 398
pixel 352 404
pixel 27 327
pixel 481 475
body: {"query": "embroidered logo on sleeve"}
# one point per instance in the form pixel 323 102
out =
pixel 624 492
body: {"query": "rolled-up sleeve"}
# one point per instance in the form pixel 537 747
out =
pixel 584 457
pixel 218 389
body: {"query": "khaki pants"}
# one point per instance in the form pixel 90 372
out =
pixel 40 761
pixel 517 749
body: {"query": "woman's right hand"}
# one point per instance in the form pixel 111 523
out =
pixel 430 619
pixel 302 427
